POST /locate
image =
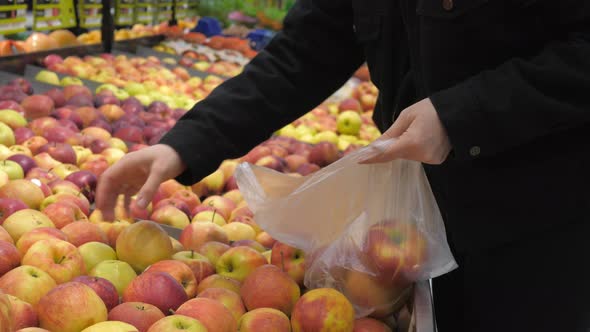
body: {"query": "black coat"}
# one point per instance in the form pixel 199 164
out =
pixel 510 80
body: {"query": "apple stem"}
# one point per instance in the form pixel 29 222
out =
pixel 61 260
pixel 213 217
pixel 171 311
pixel 282 261
pixel 192 253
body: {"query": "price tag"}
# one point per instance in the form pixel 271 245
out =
pixel 12 16
pixel 90 13
pixel 145 11
pixel 53 14
pixel 164 11
pixel 125 12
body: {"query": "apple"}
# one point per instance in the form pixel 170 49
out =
pixel 175 202
pixel 31 237
pixel 63 214
pixel 131 134
pixel 13 169
pixel 113 230
pixel 196 234
pixel 322 309
pixel 46 161
pixel 211 313
pixel 79 200
pixel 63 170
pixel 60 259
pixel 27 283
pixel 111 112
pixel 96 164
pixel 111 326
pixel 139 314
pixel 178 323
pixel 95 252
pixel 4 236
pixel 180 271
pixel 230 299
pixel 62 152
pixel 349 123
pixel 157 288
pixel 98 145
pixel 199 264
pixel 235 195
pixel 23 313
pixel 81 232
pixel 367 324
pixel 70 80
pixel 9 257
pixel 270 287
pixel 209 216
pixel 396 250
pixel 12 118
pixel 265 239
pixel 323 154
pixel 23 221
pixel 112 155
pixel 272 162
pixel 224 206
pixel 188 197
pixel 257 153
pixel 212 250
pixel 166 189
pixel 8 206
pixel 34 143
pixel 87 182
pixel 103 288
pixel 70 307
pixel 289 259
pixel 239 262
pixel 264 319
pixel 249 243
pixel 22 134
pixel 119 273
pixel 57 96
pixel 88 114
pixel 237 231
pixel 170 215
pixel 142 244
pixel 25 162
pixel 20 149
pixel 241 211
pixel 214 182
pixel 37 106
pixel 59 186
pixel 48 77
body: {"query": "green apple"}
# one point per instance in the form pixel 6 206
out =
pixel 202 65
pixel 81 153
pixel 48 77
pixel 304 130
pixel 96 252
pixel 69 80
pixel 176 323
pixel 121 94
pixel 150 85
pixel 5 152
pixel 12 118
pixel 343 144
pixel 111 87
pixel 333 109
pixel 118 272
pixel 134 88
pixel 307 138
pixel 349 123
pixel 288 131
pixel 363 142
pixel 144 99
pixel 6 135
pixel 326 136
pixel 194 82
pixel 170 61
pixel 13 169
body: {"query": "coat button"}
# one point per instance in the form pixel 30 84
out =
pixel 448 5
pixel 475 151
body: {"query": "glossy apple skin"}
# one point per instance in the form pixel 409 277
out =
pixel 139 314
pixel 157 288
pixel 269 287
pixel 211 313
pixel 322 309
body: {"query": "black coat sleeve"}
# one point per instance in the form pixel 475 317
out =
pixel 311 58
pixel 524 99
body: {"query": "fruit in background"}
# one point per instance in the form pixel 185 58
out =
pixel 61 152
pixel 60 259
pixel 397 250
pixel 157 288
pixel 22 221
pixel 6 135
pixel 367 324
pixel 230 299
pixel 8 206
pixel 209 216
pixel 37 106
pixel 63 213
pixel 111 326
pixel 12 118
pixel 81 232
pixel 34 143
pixel 45 161
pixel 176 323
pixel 188 197
pixel 142 244
pixel 214 182
pixel 289 259
pixel 70 80
pixel 237 231
pixel 103 288
pixel 27 283
pixel 350 104
pixel 264 319
pixel 196 234
pixel 94 253
pixel 22 134
pixel 63 170
pixel 71 307
pixel 239 262
pixel 199 264
pixel 322 309
pixel 241 211
pixel 96 164
pixel 235 195
pixel 23 313
pixel 211 313
pixel 4 236
pixel 48 77
pixel 6 314
pixel 63 186
pixel 111 112
pixel 349 123
pixel 63 38
pixel 269 287
pixel 181 272
pixel 31 237
pixel 219 281
pixel 224 206
pixel 139 314
pixel 170 215
pixel 119 273
pixel 79 200
pixel 9 257
pixel 323 154
pixel 131 134
pixel 13 169
pixel 25 162
pixel 212 250
pixel 87 182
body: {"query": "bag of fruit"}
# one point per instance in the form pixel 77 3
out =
pixel 369 231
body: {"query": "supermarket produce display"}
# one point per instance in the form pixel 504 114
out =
pixel 195 259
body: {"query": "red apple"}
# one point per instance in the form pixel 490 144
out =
pixel 139 314
pixel 188 197
pixel 370 325
pixel 177 323
pixel 4 236
pixel 230 299
pixel 131 134
pixel 31 237
pixel 60 259
pixel 349 104
pixel 224 206
pixel 264 319
pixel 212 250
pixel 295 161
pixel 23 313
pixel 72 90
pixel 308 168
pixel 22 134
pixel 265 239
pixel 171 216
pixel 6 314
pixel 239 262
pixel 57 96
pixel 219 281
pixel 63 213
pixel 241 211
pixel 87 182
pixel 256 153
pixel 41 174
pixel 166 190
pixel 25 162
pixel 211 313
pixel 71 307
pixel 289 259
pixel 323 154
pixel 180 271
pixel 60 151
pixel 23 190
pixel 59 186
pixel 199 264
pixel 37 106
pixel 269 287
pixel 157 288
pixel 9 257
pixel 103 288
pixel 80 232
pixel 175 202
pixel 196 234
pixel 323 309
pixel 8 206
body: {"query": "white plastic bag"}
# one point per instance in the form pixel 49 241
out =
pixel 369 231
